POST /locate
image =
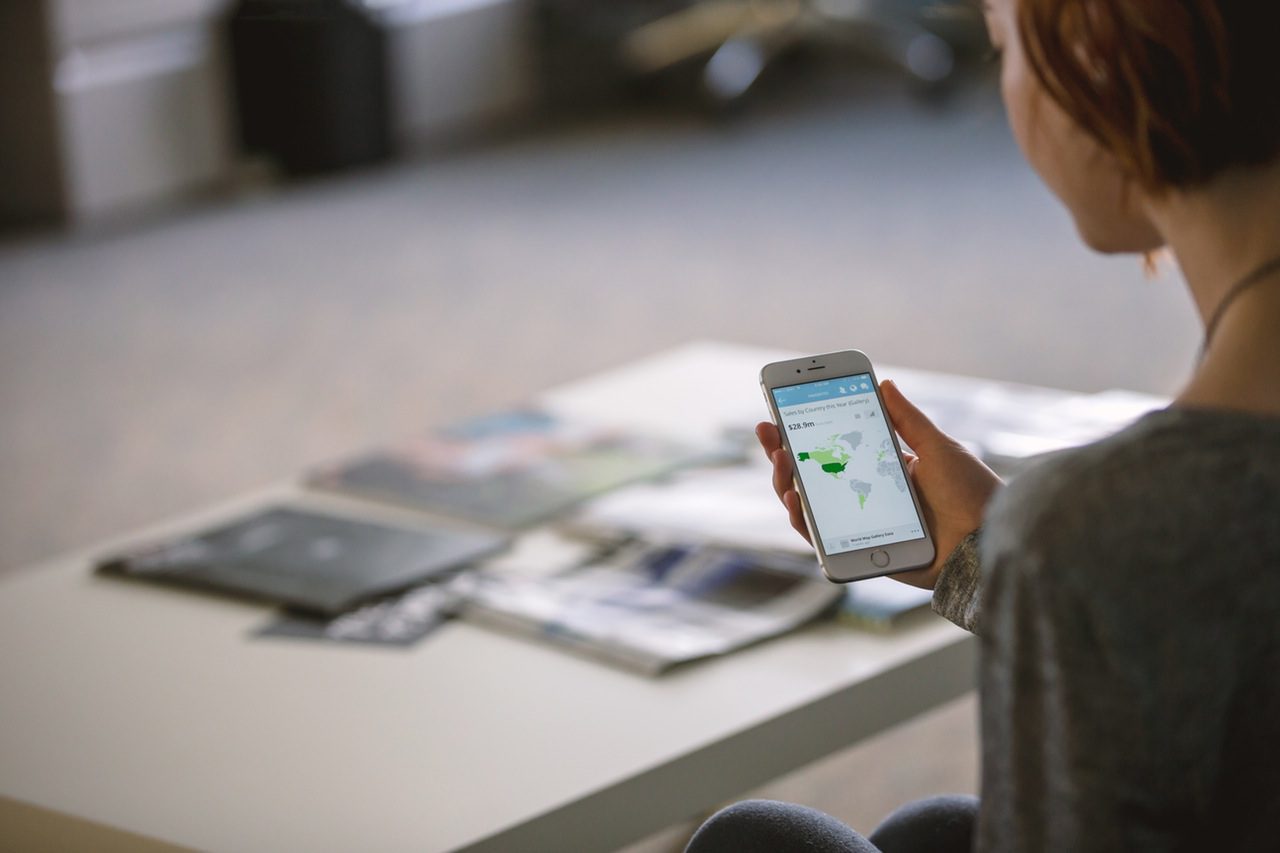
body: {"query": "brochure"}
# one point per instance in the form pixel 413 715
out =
pixel 401 620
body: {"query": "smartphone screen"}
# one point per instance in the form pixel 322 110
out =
pixel 852 474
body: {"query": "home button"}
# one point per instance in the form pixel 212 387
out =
pixel 880 559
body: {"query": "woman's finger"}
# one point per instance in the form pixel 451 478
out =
pixel 782 479
pixel 791 500
pixel 767 435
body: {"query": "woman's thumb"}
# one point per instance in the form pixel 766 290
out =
pixel 912 424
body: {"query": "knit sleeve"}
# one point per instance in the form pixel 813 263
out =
pixel 956 593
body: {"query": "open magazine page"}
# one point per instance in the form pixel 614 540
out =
pixel 651 607
pixel 1009 425
pixel 734 507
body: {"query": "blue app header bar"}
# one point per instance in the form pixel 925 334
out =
pixel 825 389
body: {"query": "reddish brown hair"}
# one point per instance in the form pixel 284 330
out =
pixel 1177 90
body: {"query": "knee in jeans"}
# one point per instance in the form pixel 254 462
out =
pixel 941 824
pixel 734 826
pixel 767 826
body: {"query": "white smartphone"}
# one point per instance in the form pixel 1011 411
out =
pixel 860 506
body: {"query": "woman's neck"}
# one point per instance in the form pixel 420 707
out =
pixel 1220 234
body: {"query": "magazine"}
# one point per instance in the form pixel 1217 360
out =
pixel 648 608
pixel 315 561
pixel 513 469
pixel 881 604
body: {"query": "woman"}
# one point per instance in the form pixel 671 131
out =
pixel 1126 594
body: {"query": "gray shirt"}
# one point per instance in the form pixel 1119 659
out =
pixel 1127 600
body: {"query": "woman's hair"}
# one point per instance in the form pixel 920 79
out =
pixel 1177 90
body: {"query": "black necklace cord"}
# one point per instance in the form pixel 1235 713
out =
pixel 1256 277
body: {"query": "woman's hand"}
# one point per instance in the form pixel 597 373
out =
pixel 954 486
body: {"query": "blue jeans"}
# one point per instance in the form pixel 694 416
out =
pixel 941 824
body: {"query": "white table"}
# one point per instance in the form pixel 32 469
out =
pixel 126 707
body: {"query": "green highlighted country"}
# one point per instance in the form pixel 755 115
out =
pixel 832 459
pixel 835 459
